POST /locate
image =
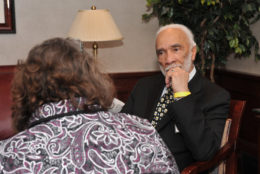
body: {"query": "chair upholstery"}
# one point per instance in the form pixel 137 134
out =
pixel 226 153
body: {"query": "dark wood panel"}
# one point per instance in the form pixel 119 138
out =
pixel 7 69
pixel 6 76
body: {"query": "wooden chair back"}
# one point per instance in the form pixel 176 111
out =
pixel 236 111
pixel 237 108
pixel 227 153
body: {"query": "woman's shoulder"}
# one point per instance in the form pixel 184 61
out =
pixel 88 142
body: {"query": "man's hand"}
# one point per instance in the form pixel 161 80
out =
pixel 177 78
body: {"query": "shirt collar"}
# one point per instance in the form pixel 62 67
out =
pixel 192 73
pixel 54 108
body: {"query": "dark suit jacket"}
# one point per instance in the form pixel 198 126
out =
pixel 200 117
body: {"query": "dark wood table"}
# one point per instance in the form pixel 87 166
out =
pixel 256 111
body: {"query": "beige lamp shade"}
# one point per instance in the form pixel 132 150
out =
pixel 94 25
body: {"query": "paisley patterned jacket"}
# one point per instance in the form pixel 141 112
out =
pixel 63 140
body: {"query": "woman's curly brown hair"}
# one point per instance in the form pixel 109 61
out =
pixel 55 70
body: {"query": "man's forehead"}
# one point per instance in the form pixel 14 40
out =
pixel 173 32
pixel 171 36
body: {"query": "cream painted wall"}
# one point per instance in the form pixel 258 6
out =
pixel 37 20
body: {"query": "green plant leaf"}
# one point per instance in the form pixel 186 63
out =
pixel 151 2
pixel 232 43
pixel 146 17
pixel 238 50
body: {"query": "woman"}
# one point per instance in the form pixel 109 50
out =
pixel 60 103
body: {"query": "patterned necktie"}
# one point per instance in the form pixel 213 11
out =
pixel 161 107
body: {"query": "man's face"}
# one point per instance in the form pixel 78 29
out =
pixel 173 49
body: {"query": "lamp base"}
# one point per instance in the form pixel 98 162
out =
pixel 95 48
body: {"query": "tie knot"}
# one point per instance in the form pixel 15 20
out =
pixel 169 91
pixel 168 96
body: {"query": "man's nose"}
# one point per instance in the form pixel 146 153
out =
pixel 170 57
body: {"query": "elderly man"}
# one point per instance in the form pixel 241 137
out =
pixel 188 111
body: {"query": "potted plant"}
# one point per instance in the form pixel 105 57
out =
pixel 220 27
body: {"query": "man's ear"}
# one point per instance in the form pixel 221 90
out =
pixel 193 52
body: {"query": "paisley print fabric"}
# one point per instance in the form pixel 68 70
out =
pixel 96 143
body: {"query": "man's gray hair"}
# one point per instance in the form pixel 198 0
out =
pixel 185 29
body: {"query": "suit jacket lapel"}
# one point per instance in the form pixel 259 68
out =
pixel 194 86
pixel 195 83
pixel 153 99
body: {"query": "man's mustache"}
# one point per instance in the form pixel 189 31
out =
pixel 171 66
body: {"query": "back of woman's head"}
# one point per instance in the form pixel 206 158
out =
pixel 55 70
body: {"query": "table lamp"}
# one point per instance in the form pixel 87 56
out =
pixel 94 25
